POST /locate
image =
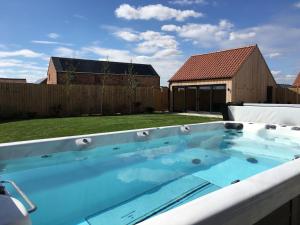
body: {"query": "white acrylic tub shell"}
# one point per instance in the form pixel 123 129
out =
pixel 243 203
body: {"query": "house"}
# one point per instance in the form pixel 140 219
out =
pixel 296 83
pixel 83 71
pixel 42 81
pixel 13 80
pixel 207 82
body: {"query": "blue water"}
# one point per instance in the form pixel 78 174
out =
pixel 128 183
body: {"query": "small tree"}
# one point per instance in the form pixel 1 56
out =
pixel 132 85
pixel 105 70
pixel 70 74
pixel 68 79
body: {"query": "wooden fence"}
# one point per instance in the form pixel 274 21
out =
pixel 288 95
pixel 29 100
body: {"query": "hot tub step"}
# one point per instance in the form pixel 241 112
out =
pixel 155 202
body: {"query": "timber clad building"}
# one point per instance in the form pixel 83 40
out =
pixel 90 72
pixel 207 82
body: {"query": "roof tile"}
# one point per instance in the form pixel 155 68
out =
pixel 216 65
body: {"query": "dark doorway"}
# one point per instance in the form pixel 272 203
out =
pixel 178 99
pixel 269 94
pixel 204 98
pixel 218 98
pixel 191 96
pixel 212 98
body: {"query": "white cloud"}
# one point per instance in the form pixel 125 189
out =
pixel 275 72
pixel 150 47
pixel 297 5
pixel 64 52
pixel 158 12
pixel 273 55
pixel 23 53
pixel 53 35
pixel 6 63
pixel 153 41
pixel 241 36
pixel 225 24
pixel 149 41
pixel 206 35
pixel 282 78
pixel 68 52
pixel 12 68
pixel 273 39
pixel 81 17
pixel 9 62
pixel 188 2
pixel 127 35
pixel 166 53
pixel 50 43
pixel 170 27
pixel 111 54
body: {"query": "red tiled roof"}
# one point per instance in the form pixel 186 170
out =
pixel 297 81
pixel 216 65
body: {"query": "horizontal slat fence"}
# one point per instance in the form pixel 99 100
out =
pixel 19 100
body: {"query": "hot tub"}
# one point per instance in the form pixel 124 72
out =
pixel 210 173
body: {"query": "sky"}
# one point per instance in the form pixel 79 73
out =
pixel 161 33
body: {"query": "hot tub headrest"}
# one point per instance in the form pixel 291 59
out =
pixel 234 126
pixel 296 128
pixel 270 127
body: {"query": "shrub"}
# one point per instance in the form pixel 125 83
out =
pixel 137 107
pixel 149 109
pixel 56 110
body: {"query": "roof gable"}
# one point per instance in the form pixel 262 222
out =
pixel 96 66
pixel 297 81
pixel 215 65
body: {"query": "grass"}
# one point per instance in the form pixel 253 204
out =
pixel 59 127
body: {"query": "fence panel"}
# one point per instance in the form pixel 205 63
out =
pixel 21 100
pixel 288 95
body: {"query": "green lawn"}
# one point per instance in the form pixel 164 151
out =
pixel 58 127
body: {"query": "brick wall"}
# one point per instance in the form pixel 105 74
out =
pixel 111 80
pixel 51 74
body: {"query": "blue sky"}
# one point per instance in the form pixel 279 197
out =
pixel 161 33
